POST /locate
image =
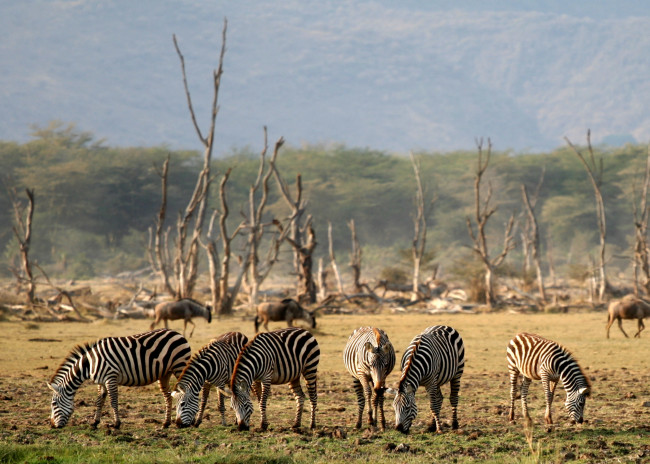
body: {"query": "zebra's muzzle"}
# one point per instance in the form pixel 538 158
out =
pixel 400 428
pixel 243 427
pixel 180 424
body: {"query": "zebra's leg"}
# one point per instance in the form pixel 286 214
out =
pixel 367 392
pixel 548 394
pixel 163 383
pixel 525 383
pixel 299 395
pixel 435 402
pixel 514 375
pixel 222 408
pixel 361 401
pixel 620 326
pixel 266 391
pixel 378 405
pixel 205 394
pixel 99 404
pixel 453 399
pixel 111 386
pixel 312 390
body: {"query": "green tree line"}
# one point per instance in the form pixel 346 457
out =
pixel 95 203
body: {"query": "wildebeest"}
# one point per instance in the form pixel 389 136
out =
pixel 185 309
pixel 628 307
pixel 285 310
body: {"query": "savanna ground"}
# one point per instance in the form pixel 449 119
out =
pixel 617 426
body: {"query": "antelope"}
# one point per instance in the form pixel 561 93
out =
pixel 629 307
pixel 185 309
pixel 286 310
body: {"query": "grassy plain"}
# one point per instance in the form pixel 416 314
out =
pixel 617 427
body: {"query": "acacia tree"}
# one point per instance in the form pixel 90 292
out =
pixel 595 173
pixel 482 213
pixel 189 224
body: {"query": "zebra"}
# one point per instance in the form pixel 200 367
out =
pixel 212 365
pixel 537 358
pixel 185 309
pixel 369 357
pixel 433 358
pixel 272 358
pixel 133 361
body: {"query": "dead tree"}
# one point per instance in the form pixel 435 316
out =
pixel 302 236
pixel 189 225
pixel 335 267
pixel 532 240
pixel 23 231
pixel 355 259
pixel 482 213
pixel 418 246
pixel 641 252
pixel 595 174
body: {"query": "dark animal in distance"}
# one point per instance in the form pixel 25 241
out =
pixel 185 309
pixel 285 310
pixel 628 307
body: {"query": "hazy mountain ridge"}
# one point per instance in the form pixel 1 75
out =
pixel 361 73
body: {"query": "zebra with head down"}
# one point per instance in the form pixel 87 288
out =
pixel 211 366
pixel 434 358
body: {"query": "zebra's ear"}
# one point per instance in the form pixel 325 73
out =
pixel 54 388
pixel 410 389
pixel 369 348
pixel 224 391
pixel 386 348
pixel 180 389
pixel 584 391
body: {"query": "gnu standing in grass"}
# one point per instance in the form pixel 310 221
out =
pixel 211 366
pixel 273 358
pixel 285 310
pixel 537 358
pixel 369 357
pixel 132 361
pixel 629 307
pixel 434 358
pixel 184 309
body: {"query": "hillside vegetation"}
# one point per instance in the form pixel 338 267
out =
pixel 95 203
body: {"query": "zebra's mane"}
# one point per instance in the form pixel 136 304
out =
pixel 377 335
pixel 75 354
pixel 407 367
pixel 240 356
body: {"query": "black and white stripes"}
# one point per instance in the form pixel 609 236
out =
pixel 369 357
pixel 277 357
pixel 135 360
pixel 433 358
pixel 537 358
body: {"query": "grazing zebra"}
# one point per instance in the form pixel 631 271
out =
pixel 212 365
pixel 369 357
pixel 433 358
pixel 133 361
pixel 285 310
pixel 537 358
pixel 185 309
pixel 272 358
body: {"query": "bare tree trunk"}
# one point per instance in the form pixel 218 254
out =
pixel 212 252
pixel 595 174
pixel 534 242
pixel 418 246
pixel 322 280
pixel 482 213
pixel 641 252
pixel 23 232
pixel 335 267
pixel 355 258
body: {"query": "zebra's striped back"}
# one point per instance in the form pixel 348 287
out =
pixel 211 365
pixel 369 357
pixel 277 357
pixel 537 358
pixel 135 360
pixel 433 358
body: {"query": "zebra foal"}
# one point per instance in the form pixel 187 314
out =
pixel 273 358
pixel 211 366
pixel 434 358
pixel 134 361
pixel 537 358
pixel 369 357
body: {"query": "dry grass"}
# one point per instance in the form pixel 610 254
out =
pixel 616 419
